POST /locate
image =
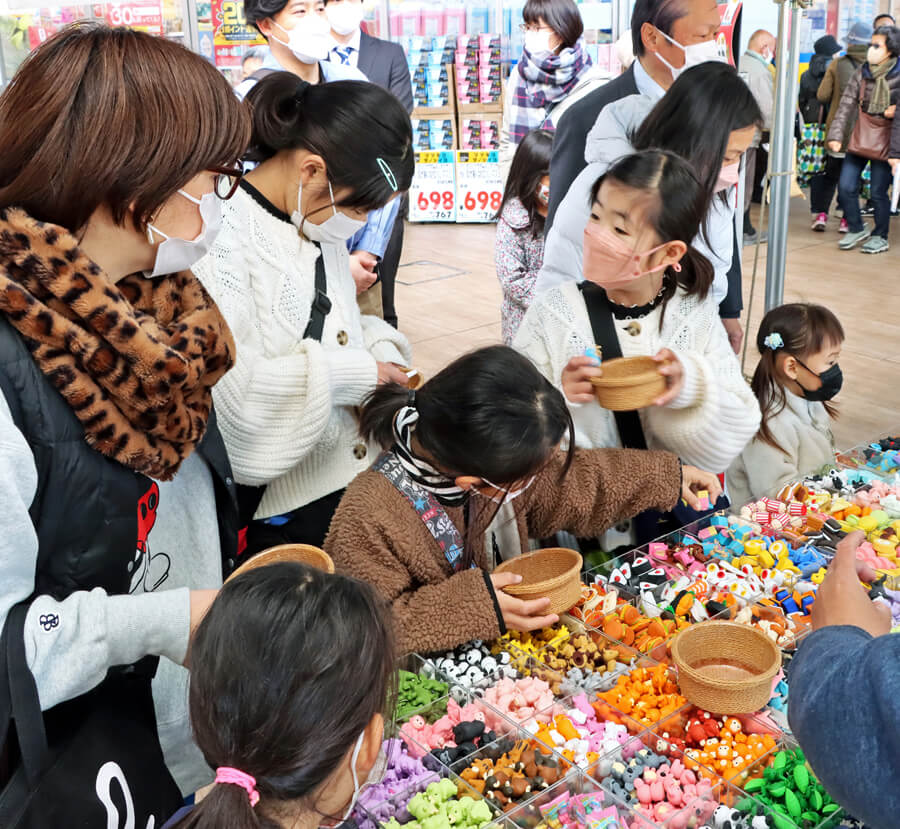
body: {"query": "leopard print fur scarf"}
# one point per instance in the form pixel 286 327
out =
pixel 136 361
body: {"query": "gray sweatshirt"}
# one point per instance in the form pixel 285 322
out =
pixel 96 631
pixel 606 143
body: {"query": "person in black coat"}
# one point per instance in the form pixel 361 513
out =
pixel 810 109
pixel 383 63
pixel 660 31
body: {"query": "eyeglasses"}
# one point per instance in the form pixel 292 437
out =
pixel 533 27
pixel 226 181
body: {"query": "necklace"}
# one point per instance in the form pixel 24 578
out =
pixel 634 312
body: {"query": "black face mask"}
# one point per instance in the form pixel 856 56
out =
pixel 832 380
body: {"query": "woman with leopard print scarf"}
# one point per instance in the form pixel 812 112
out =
pixel 117 511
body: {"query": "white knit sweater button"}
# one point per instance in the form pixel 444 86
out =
pixel 360 451
pixel 342 338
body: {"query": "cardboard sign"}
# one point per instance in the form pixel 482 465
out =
pixel 479 185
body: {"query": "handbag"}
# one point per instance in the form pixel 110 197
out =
pixel 811 152
pixel 91 761
pixel 651 524
pixel 871 136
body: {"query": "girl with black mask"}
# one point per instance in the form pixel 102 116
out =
pixel 798 374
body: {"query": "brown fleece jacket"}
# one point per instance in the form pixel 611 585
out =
pixel 377 536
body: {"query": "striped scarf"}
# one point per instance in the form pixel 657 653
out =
pixel 423 473
pixel 541 84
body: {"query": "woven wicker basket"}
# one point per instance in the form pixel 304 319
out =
pixel 726 667
pixel 553 572
pixel 302 553
pixel 629 383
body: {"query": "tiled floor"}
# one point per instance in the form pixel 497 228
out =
pixel 448 301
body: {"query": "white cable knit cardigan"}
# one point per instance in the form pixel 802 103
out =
pixel 285 409
pixel 714 416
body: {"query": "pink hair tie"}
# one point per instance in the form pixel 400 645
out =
pixel 226 774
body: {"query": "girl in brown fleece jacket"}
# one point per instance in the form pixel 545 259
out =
pixel 473 469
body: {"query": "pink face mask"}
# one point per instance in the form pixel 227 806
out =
pixel 609 262
pixel 729 176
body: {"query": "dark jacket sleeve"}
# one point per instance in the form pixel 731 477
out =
pixel 845 712
pixel 400 82
pixel 894 151
pixel 730 308
pixel 567 160
pixel 840 126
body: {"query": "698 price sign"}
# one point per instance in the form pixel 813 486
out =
pixel 432 196
pixel 479 185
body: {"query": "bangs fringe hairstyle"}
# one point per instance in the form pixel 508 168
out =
pixel 490 414
pixel 696 117
pixel 562 16
pixel 112 117
pixel 529 165
pixel 805 329
pixel 350 124
pixel 288 668
pixel 676 208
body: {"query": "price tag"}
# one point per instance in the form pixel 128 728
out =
pixel 432 196
pixel 479 185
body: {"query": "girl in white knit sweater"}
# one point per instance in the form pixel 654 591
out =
pixel 280 273
pixel 798 374
pixel 655 285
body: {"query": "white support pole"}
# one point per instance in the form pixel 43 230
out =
pixel 781 162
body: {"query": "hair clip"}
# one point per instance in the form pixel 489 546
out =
pixel 388 173
pixel 411 398
pixel 774 341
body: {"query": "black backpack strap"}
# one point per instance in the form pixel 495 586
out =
pixel 631 433
pixel 321 303
pixel 249 497
pixel 19 701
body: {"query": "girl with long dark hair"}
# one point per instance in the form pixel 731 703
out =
pixel 280 272
pixel 708 117
pixel 476 462
pixel 519 245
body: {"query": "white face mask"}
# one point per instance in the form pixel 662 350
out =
pixel 538 43
pixel 336 229
pixel 544 194
pixel 174 255
pixel 310 40
pixel 694 55
pixel 507 495
pixel 345 17
pixel 375 776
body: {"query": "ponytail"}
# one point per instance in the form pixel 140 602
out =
pixel 228 807
pixel 373 162
pixel 376 418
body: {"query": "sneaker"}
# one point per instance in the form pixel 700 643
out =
pixel 851 240
pixel 844 227
pixel 895 213
pixel 868 209
pixel 877 244
pixel 820 223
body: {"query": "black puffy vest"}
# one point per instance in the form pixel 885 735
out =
pixel 91 513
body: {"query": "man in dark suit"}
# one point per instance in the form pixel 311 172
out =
pixel 384 63
pixel 668 36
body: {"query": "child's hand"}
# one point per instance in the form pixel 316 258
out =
pixel 519 614
pixel 576 379
pixel 695 480
pixel 834 146
pixel 673 371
